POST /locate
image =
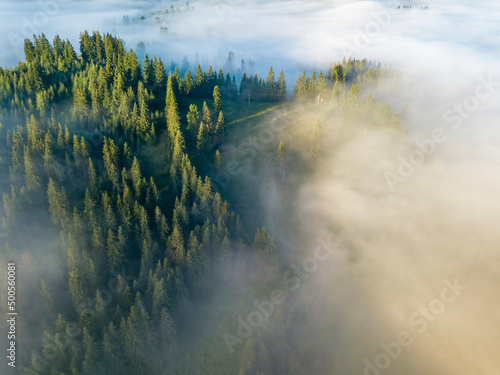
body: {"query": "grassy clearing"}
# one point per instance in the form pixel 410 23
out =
pixel 258 114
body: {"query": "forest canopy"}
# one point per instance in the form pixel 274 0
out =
pixel 109 210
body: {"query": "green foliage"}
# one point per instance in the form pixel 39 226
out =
pixel 353 98
pixel 281 157
pixel 193 119
pixel 81 167
pixel 282 93
pixel 217 101
pixel 113 158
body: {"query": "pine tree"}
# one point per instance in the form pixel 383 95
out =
pixel 353 98
pixel 220 134
pixel 137 336
pixel 217 101
pixel 160 76
pixel 264 244
pixel 147 72
pixel 76 289
pixel 271 89
pixel 322 85
pixel 58 204
pixel 29 50
pixel 188 84
pixel 193 118
pixel 301 89
pixel 96 240
pixel 31 178
pixel 218 159
pixel 86 46
pixel 337 92
pixel 203 138
pixel 160 299
pixel 178 89
pixel 90 355
pixel 48 301
pixel 281 155
pixel 199 81
pixel 161 224
pixel 92 176
pixel 89 210
pixel 114 250
pixel 49 163
pixel 110 158
pixel 167 328
pixel 172 111
pixel 110 346
pixel 133 68
pixel 206 117
pixel 35 77
pixel 136 176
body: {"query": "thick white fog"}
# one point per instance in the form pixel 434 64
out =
pixel 420 216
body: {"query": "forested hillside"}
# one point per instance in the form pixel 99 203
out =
pixel 120 237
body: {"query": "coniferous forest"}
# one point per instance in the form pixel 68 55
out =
pixel 249 188
pixel 108 207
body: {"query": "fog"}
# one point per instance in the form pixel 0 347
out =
pixel 402 238
pixel 439 224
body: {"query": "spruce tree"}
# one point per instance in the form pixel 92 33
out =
pixel 172 111
pixel 353 98
pixel 160 76
pixel 203 138
pixel 207 117
pixel 217 101
pixel 218 159
pixel 32 180
pixel 188 84
pixel 58 204
pixel 147 72
pixel 199 81
pixel 282 94
pixel 271 89
pixel 220 133
pixel 281 156
pixel 193 118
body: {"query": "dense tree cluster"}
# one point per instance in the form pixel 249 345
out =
pixel 139 248
pixel 260 89
pixel 76 163
pixel 342 88
pixel 324 86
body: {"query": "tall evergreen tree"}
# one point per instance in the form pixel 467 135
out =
pixel 203 138
pixel 281 156
pixel 193 118
pixel 220 133
pixel 207 117
pixel 353 98
pixel 160 76
pixel 217 101
pixel 282 94
pixel 58 203
pixel 172 110
pixel 271 87
pixel 188 84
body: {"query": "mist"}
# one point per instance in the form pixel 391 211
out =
pixel 414 217
pixel 437 226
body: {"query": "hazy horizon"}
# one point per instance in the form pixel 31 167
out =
pixel 411 214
